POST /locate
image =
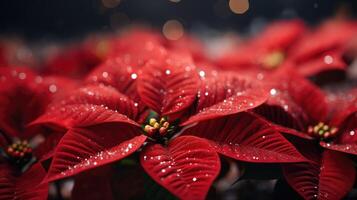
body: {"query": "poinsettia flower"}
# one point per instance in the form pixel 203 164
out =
pixel 330 173
pixel 104 126
pixel 286 44
pixel 266 51
pixel 322 50
pixel 287 106
pixel 23 96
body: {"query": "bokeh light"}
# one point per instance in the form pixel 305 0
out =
pixel 173 30
pixel 239 6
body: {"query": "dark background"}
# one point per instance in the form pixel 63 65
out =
pixel 36 19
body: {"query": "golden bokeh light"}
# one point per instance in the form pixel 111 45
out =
pixel 173 30
pixel 110 3
pixel 239 6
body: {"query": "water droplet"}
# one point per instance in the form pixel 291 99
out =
pixel 352 133
pixel 260 76
pixel 202 74
pixel 194 179
pixel 273 92
pixel 328 59
pixel 22 75
pixel 167 72
pixel 105 74
pixel 52 88
pixel 134 76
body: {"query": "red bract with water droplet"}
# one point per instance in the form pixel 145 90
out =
pixel 23 97
pixel 330 173
pixel 288 44
pixel 103 125
pixel 267 50
pixel 322 49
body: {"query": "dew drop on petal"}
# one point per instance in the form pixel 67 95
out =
pixel 352 133
pixel 105 74
pixel 273 92
pixel 134 76
pixel 328 59
pixel 22 76
pixel 260 76
pixel 52 88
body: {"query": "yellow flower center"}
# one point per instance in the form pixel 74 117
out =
pixel 272 60
pixel 322 131
pixel 157 128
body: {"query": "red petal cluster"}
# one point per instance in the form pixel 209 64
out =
pixel 272 98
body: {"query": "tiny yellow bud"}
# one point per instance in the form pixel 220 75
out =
pixel 147 128
pixel 162 120
pixel 156 125
pixel 152 121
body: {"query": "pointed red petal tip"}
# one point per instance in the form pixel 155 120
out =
pixel 247 137
pixel 83 149
pixel 116 73
pixel 100 95
pixel 186 167
pixel 227 94
pixel 168 87
pixel 332 179
pixel 81 116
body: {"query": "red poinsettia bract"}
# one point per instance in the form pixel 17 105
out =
pixel 23 97
pixel 175 117
pixel 326 137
